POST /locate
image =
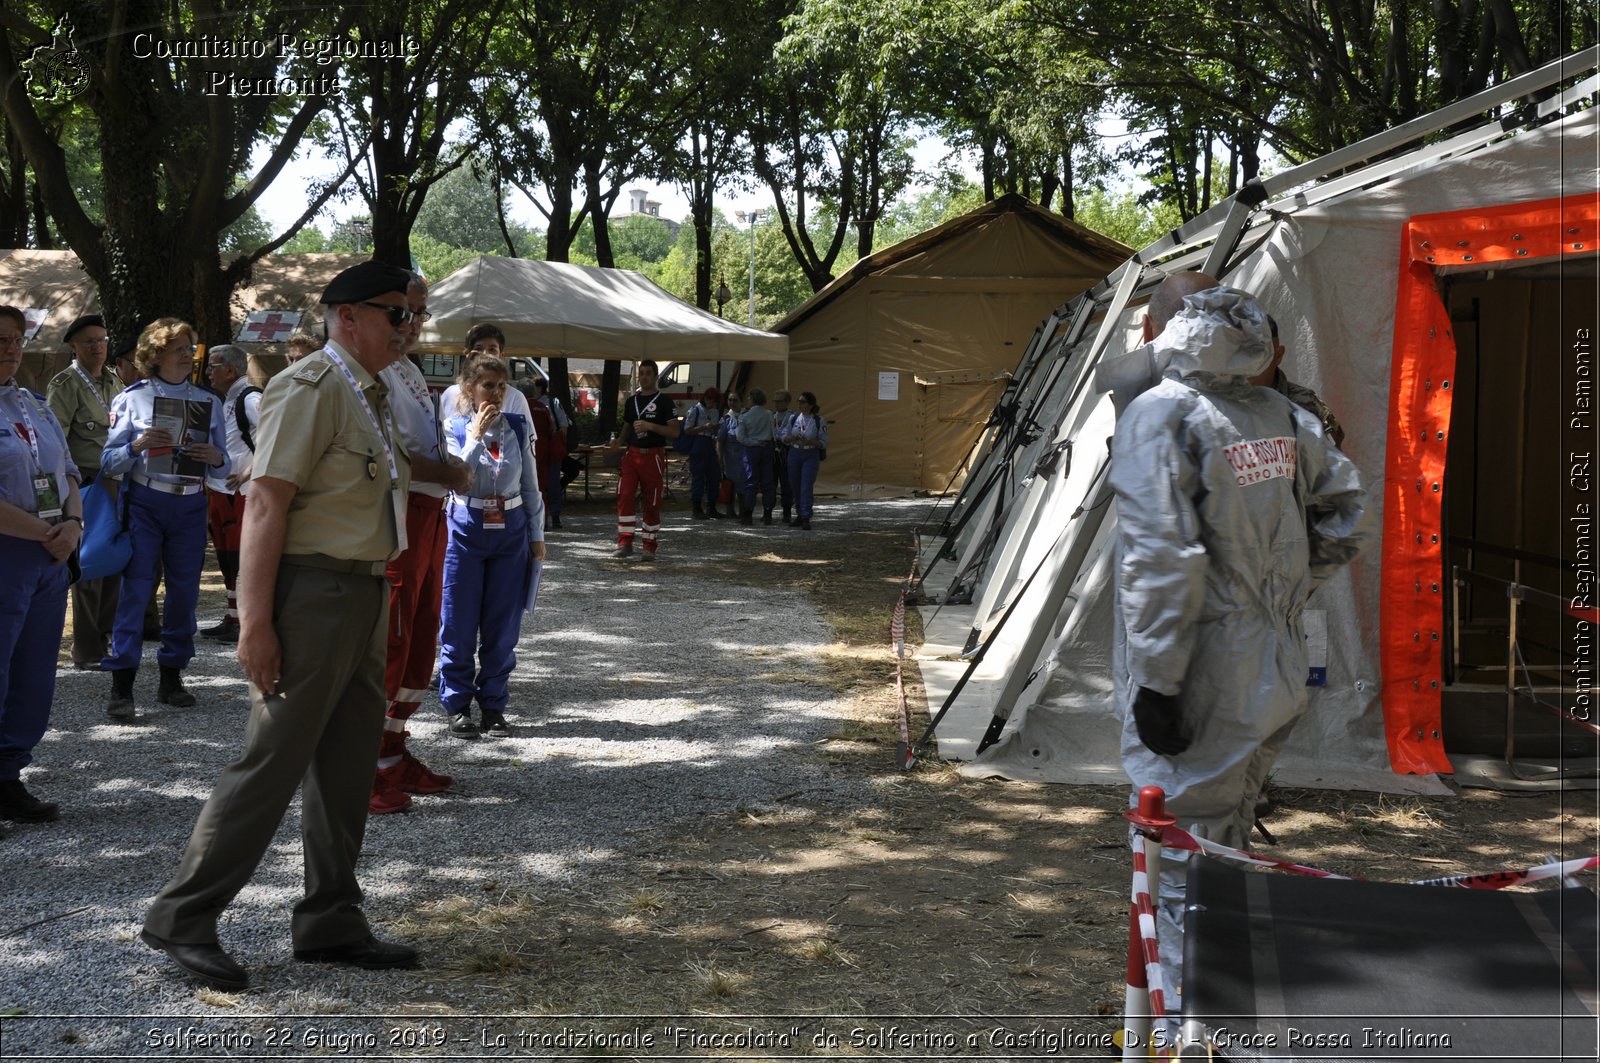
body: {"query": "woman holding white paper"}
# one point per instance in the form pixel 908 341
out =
pixel 166 435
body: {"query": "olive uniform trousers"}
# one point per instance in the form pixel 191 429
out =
pixel 321 727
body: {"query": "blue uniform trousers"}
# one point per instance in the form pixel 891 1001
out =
pixel 486 576
pixel 33 610
pixel 803 465
pixel 705 479
pixel 758 476
pixel 169 530
pixel 780 459
pixel 554 491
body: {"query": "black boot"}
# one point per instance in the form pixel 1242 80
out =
pixel 699 513
pixel 766 515
pixel 171 691
pixel 18 805
pixel 788 514
pixel 120 707
pixel 747 512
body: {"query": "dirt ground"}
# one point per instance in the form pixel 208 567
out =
pixel 949 906
pixel 947 909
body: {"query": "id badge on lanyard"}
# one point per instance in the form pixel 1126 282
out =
pixel 46 497
pixel 494 513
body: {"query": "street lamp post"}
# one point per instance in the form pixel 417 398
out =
pixel 753 217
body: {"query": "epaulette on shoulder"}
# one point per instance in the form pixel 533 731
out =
pixel 312 372
pixel 61 377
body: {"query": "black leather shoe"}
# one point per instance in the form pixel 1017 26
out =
pixel 18 805
pixel 368 953
pixel 206 962
pixel 222 632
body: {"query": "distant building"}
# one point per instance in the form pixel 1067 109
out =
pixel 640 203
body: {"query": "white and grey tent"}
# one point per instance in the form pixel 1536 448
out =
pixel 1437 285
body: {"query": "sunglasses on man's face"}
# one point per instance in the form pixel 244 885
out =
pixel 398 315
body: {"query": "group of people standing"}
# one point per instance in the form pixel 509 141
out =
pixel 353 512
pixel 771 454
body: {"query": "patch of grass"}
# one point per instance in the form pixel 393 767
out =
pixel 822 950
pixel 647 902
pixel 492 960
pixel 216 998
pixel 716 982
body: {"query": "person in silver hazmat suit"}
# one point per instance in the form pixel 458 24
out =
pixel 1232 506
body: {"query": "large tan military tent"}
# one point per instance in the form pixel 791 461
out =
pixel 909 349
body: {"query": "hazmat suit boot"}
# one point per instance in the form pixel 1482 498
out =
pixel 171 691
pixel 766 515
pixel 120 707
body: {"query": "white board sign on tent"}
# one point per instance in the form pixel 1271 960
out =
pixel 1030 540
pixel 557 309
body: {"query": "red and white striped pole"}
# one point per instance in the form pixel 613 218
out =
pixel 1145 996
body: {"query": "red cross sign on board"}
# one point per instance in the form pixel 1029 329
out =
pixel 269 326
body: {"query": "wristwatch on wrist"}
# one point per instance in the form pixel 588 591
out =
pixel 74 517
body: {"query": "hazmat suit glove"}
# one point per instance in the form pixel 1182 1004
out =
pixel 1158 721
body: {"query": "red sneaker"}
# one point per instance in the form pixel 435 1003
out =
pixel 386 796
pixel 413 776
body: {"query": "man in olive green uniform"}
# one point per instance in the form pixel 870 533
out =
pixel 80 397
pixel 330 480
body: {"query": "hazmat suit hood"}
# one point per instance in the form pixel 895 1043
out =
pixel 1220 332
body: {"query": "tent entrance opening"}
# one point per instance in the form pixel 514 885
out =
pixel 1521 473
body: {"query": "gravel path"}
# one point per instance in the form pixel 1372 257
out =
pixel 622 730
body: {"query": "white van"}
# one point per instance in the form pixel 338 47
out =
pixel 685 382
pixel 442 369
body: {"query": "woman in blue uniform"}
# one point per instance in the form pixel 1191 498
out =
pixel 41 521
pixel 731 450
pixel 807 436
pixel 496 533
pixel 166 434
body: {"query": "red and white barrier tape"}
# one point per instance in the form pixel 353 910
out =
pixel 1177 838
pixel 1146 912
pixel 897 643
pixel 897 627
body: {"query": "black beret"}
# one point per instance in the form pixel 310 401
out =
pixel 82 323
pixel 125 349
pixel 360 283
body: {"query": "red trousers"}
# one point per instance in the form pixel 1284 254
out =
pixel 643 472
pixel 416 586
pixel 225 515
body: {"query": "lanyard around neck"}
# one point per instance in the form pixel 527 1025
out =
pixel 361 397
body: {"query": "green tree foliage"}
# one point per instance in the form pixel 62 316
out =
pixel 1119 214
pixel 950 198
pixel 172 156
pixel 401 103
pixel 462 210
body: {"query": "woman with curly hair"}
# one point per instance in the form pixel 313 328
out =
pixel 166 435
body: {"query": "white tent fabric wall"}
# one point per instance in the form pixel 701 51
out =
pixel 564 310
pixel 1328 273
